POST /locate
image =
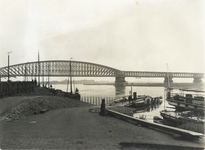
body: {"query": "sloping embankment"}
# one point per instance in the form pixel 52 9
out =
pixel 36 105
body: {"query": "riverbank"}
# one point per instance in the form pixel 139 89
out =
pixel 32 105
pixel 70 125
pixel 8 102
pixel 77 128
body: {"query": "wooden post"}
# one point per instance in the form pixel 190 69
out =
pixel 102 110
pixel 130 98
pixel 135 95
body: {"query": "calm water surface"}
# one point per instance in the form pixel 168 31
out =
pixel 95 93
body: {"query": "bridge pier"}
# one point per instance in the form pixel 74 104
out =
pixel 120 82
pixel 197 80
pixel 120 85
pixel 166 80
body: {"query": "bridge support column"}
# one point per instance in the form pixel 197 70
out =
pixel 120 81
pixel 120 85
pixel 197 80
pixel 166 80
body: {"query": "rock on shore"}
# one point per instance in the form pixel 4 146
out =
pixel 40 104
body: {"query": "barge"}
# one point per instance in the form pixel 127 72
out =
pixel 174 117
pixel 185 99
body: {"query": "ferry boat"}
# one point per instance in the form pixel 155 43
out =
pixel 186 99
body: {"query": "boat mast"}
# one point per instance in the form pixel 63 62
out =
pixel 70 79
pixel 167 86
pixel 67 85
pixel 168 76
pixel 39 70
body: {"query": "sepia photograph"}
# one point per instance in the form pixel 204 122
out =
pixel 102 74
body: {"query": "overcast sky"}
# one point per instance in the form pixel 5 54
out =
pixel 130 35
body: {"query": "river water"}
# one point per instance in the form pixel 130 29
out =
pixel 95 93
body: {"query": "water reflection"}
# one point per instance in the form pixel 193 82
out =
pixel 95 93
pixel 96 99
pixel 152 110
pixel 95 96
pixel 119 90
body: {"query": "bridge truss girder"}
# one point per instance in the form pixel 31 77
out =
pixel 59 68
pixel 162 74
pixel 84 69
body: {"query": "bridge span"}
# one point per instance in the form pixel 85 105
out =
pixel 63 68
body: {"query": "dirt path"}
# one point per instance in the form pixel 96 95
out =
pixel 77 128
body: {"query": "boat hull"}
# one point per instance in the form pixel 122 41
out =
pixel 184 99
pixel 184 105
pixel 73 96
pixel 178 118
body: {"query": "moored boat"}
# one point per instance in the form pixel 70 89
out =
pixel 159 120
pixel 70 94
pixel 186 99
pixel 144 100
pixel 75 95
pixel 175 117
pixel 120 101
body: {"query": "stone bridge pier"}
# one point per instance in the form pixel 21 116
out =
pixel 166 79
pixel 197 80
pixel 120 85
pixel 120 82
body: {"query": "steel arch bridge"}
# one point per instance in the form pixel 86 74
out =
pixel 60 68
pixel 162 74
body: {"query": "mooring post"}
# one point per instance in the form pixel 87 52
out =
pixel 102 110
pixel 130 99
pixel 135 95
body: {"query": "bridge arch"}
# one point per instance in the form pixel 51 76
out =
pixel 60 68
